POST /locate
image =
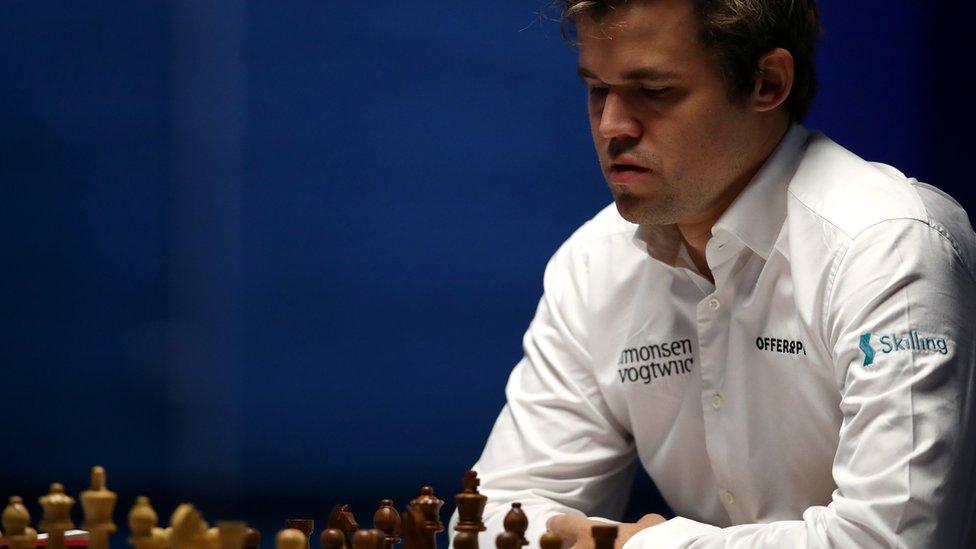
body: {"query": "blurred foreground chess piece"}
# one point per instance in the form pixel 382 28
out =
pixel 387 519
pixel 305 526
pixel 332 538
pixel 415 535
pixel 57 515
pixel 368 539
pixel 211 538
pixel 517 522
pixel 142 521
pixel 252 538
pixel 551 540
pixel 290 538
pixel 604 535
pixel 98 502
pixel 16 525
pixel 471 508
pixel 231 533
pixel 188 530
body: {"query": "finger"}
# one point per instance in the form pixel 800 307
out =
pixel 567 526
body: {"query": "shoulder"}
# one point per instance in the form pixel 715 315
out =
pixel 851 197
pixel 606 225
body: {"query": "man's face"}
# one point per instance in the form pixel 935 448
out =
pixel 672 146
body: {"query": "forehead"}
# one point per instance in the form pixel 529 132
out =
pixel 661 33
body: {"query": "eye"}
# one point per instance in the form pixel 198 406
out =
pixel 655 92
pixel 597 90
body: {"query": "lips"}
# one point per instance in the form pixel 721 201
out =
pixel 626 173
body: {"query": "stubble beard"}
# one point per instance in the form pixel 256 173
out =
pixel 660 209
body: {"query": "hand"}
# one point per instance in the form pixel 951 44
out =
pixel 576 532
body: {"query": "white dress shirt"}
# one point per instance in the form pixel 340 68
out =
pixel 818 394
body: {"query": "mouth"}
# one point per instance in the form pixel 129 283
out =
pixel 626 173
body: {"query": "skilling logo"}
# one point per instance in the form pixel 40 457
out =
pixel 908 342
pixel 867 349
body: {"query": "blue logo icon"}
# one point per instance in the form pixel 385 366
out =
pixel 866 347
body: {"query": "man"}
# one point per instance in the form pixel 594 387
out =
pixel 780 332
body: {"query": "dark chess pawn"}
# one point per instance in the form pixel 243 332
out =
pixel 252 538
pixel 604 535
pixel 470 506
pixel 508 540
pixel 387 519
pixel 517 522
pixel 332 538
pixel 551 540
pixel 368 539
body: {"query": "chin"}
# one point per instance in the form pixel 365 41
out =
pixel 643 210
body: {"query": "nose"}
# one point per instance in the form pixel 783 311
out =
pixel 616 119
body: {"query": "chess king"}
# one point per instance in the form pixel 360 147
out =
pixel 732 224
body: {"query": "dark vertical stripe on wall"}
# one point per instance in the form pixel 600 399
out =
pixel 949 103
pixel 207 78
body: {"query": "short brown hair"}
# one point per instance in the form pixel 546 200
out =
pixel 739 33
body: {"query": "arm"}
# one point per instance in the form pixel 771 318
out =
pixel 555 447
pixel 907 415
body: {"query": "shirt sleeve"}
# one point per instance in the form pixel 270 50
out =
pixel 900 323
pixel 555 446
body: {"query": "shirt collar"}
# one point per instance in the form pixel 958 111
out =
pixel 754 218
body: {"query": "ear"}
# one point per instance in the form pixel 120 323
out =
pixel 775 80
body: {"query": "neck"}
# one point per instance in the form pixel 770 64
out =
pixel 696 232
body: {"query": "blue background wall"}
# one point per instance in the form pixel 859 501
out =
pixel 271 256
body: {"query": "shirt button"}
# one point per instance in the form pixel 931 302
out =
pixel 728 497
pixel 714 304
pixel 717 401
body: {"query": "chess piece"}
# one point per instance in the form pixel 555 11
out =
pixel 57 515
pixel 332 538
pixel 188 530
pixel 98 502
pixel 368 539
pixel 231 534
pixel 290 538
pixel 466 540
pixel 517 522
pixel 604 535
pixel 551 540
pixel 16 525
pixel 508 540
pixel 471 507
pixel 341 518
pixel 387 519
pixel 305 526
pixel 429 506
pixel 211 538
pixel 252 538
pixel 415 535
pixel 142 520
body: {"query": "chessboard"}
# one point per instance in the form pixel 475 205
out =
pixel 415 527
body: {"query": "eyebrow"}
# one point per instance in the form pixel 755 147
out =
pixel 643 73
